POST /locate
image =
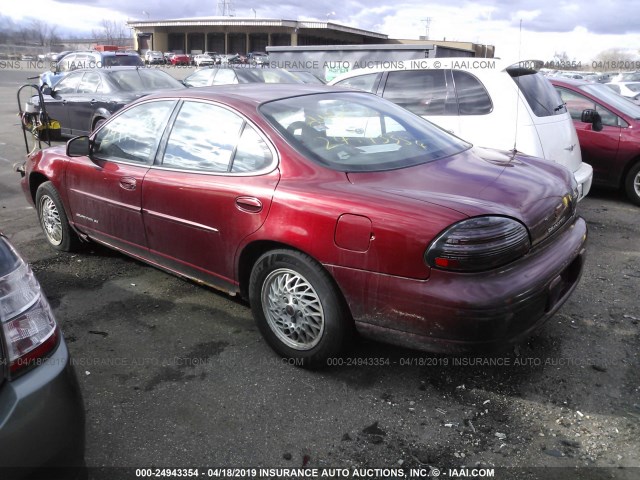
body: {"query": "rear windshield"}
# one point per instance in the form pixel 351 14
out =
pixel 359 132
pixel 539 93
pixel 137 80
pixel 122 60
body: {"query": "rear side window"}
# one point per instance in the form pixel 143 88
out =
pixel 423 92
pixel 209 138
pixel 368 82
pixel 473 98
pixel 542 98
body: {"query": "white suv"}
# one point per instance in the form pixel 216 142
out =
pixel 484 101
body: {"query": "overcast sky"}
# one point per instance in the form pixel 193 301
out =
pixel 582 29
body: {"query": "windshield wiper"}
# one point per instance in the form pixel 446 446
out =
pixel 560 107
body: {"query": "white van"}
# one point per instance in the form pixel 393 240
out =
pixel 484 101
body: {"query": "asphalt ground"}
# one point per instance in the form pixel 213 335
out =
pixel 177 375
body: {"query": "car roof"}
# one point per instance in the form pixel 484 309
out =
pixel 115 68
pixel 253 93
pixel 574 82
pixel 477 65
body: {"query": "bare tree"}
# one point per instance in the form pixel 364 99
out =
pixel 562 57
pixel 40 31
pixel 112 32
pixel 614 59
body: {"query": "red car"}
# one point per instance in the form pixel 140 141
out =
pixel 608 127
pixel 327 209
pixel 180 59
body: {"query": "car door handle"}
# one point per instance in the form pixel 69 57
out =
pixel 93 100
pixel 128 183
pixel 249 204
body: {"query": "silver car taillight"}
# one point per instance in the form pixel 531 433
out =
pixel 29 329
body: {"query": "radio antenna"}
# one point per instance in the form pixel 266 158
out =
pixel 515 140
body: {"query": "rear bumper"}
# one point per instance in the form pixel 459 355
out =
pixel 584 177
pixel 42 416
pixel 453 313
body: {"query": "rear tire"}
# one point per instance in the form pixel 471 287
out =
pixel 632 184
pixel 298 308
pixel 53 219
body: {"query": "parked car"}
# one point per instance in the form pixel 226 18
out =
pixel 258 59
pixel 327 208
pixel 88 59
pixel 485 101
pixel 608 127
pixel 234 59
pixel 626 77
pixel 152 57
pixel 630 90
pixel 203 60
pixel 84 99
pixel 215 56
pixel 41 408
pixel 226 76
pixel 180 59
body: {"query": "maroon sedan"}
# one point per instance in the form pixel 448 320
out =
pixel 608 127
pixel 327 209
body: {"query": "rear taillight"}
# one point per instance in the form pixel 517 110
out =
pixel 28 326
pixel 479 243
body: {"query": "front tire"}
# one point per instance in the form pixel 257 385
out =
pixel 298 308
pixel 53 219
pixel 632 184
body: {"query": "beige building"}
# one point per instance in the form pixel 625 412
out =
pixel 243 35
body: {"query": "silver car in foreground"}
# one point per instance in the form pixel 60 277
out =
pixel 41 409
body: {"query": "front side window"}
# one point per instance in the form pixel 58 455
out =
pixel 90 83
pixel 133 136
pixel 423 92
pixel 358 132
pixel 201 78
pixel 64 65
pixel 577 103
pixel 143 79
pixel 225 76
pixel 68 84
pixel 473 98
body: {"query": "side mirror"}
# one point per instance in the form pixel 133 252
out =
pixel 79 147
pixel 591 116
pixel 46 90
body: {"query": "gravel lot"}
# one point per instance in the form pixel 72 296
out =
pixel 176 375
